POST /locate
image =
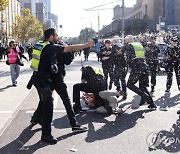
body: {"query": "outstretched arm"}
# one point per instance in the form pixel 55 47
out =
pixel 78 47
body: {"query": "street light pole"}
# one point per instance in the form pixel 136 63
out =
pixel 98 23
pixel 122 22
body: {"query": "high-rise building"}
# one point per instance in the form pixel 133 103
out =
pixel 163 15
pixel 42 10
pixel 7 19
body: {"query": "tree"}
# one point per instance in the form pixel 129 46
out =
pixel 3 4
pixel 137 26
pixel 27 27
pixel 87 34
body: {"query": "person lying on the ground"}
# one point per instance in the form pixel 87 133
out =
pixel 111 97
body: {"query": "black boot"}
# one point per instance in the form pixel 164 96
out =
pixel 49 139
pixel 178 112
pixel 152 89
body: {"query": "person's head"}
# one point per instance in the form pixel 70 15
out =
pixel 12 43
pixel 51 35
pixel 107 43
pixel 129 39
pixel 174 41
pixel 116 39
pixel 152 39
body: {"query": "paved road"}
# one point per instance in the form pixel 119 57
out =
pixel 127 133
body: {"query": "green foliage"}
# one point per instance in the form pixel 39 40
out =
pixel 3 4
pixel 87 34
pixel 27 27
pixel 137 26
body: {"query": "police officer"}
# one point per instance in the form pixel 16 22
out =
pixel 107 63
pixel 44 64
pixel 172 63
pixel 91 82
pixel 135 58
pixel 151 56
pixel 119 67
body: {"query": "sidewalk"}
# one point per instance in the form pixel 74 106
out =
pixel 11 98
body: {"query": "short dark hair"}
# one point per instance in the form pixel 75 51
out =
pixel 48 32
pixel 107 42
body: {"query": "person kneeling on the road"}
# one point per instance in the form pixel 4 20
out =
pixel 92 82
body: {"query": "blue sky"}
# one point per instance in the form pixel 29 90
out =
pixel 73 17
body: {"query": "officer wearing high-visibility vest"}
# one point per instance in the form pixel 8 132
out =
pixel 92 81
pixel 60 87
pixel 139 72
pixel 44 64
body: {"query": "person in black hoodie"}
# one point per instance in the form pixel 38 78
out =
pixel 172 63
pixel 120 69
pixel 107 63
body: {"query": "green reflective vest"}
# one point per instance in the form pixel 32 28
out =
pixel 36 55
pixel 139 50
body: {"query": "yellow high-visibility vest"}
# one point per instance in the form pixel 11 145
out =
pixel 98 71
pixel 139 50
pixel 36 55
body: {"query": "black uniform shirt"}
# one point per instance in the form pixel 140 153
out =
pixel 152 52
pixel 48 57
pixel 108 61
pixel 136 64
pixel 173 53
pixel 119 59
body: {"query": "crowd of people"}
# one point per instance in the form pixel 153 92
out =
pixel 141 59
pixel 48 60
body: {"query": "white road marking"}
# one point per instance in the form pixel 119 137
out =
pixel 4 112
pixel 55 111
pixel 3 72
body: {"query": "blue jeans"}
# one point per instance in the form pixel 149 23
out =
pixel 15 70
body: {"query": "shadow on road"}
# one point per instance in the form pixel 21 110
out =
pixel 169 140
pixel 113 128
pixel 167 101
pixel 17 146
pixel 7 87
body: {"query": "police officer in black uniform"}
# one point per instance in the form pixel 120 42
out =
pixel 92 82
pixel 42 78
pixel 172 63
pixel 139 72
pixel 107 63
pixel 151 56
pixel 120 68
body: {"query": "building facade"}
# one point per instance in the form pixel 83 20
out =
pixel 161 13
pixel 7 20
pixel 42 10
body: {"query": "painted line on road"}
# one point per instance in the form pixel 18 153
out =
pixel 3 72
pixel 6 112
pixel 55 111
